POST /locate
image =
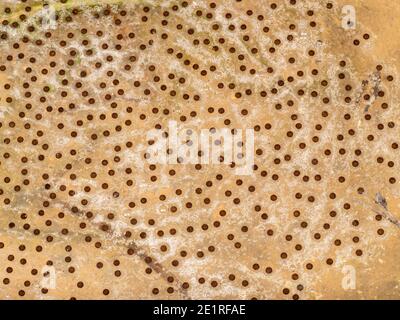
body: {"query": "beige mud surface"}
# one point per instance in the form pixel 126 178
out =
pixel 84 212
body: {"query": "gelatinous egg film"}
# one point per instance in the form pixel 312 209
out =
pixel 86 214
